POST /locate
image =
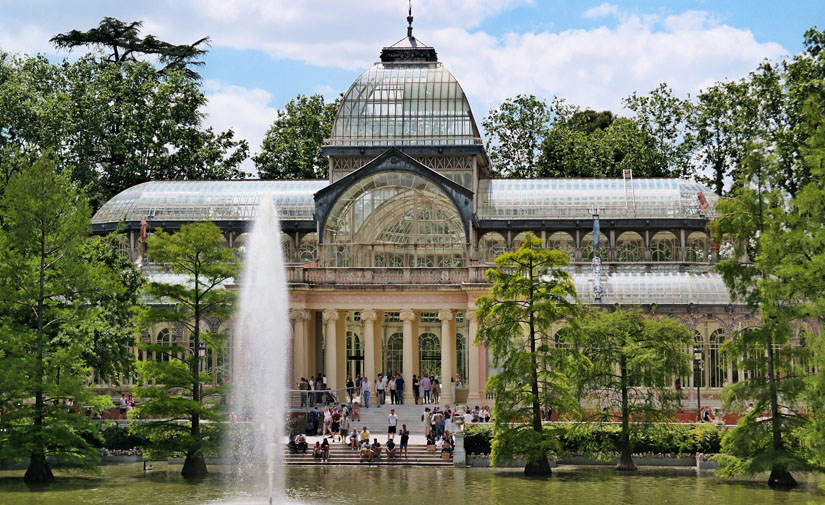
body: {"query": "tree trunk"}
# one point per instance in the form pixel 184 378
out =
pixel 780 476
pixel 38 471
pixel 538 468
pixel 626 461
pixel 194 467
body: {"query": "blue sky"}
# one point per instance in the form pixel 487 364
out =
pixel 592 53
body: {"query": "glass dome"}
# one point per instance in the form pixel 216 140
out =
pixel 577 198
pixel 402 104
pixel 215 200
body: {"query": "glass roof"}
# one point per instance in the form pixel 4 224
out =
pixel 576 198
pixel 634 288
pixel 216 200
pixel 401 104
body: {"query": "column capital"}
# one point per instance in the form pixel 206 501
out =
pixel 298 314
pixel 471 315
pixel 369 315
pixel 407 315
pixel 331 315
pixel 445 315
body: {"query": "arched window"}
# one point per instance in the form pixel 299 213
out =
pixel 163 339
pixel 697 248
pixel 629 247
pixel 490 246
pixel 240 245
pixel 717 368
pixel 664 246
pixel 393 217
pixel 587 246
pixel 429 355
pixel 288 248
pixel 394 354
pixel 308 251
pixel 561 241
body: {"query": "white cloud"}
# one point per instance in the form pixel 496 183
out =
pixel 598 67
pixel 601 11
pixel 249 112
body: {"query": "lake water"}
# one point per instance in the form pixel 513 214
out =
pixel 127 484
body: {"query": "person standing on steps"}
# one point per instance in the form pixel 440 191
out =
pixel 393 399
pixel 350 388
pixel 405 438
pixel 415 389
pixel 379 390
pixel 365 385
pixel 399 390
pixel 426 385
pixel 392 422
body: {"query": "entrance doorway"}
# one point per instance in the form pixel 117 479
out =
pixel 429 355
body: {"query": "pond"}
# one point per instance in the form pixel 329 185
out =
pixel 127 484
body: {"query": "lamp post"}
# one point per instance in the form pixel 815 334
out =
pixel 201 355
pixel 697 378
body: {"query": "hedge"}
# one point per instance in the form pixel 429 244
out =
pixel 601 439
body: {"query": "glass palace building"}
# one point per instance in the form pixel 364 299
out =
pixel 387 257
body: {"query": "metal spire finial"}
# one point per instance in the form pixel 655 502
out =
pixel 409 20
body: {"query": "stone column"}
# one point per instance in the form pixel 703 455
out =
pixel 474 372
pixel 331 355
pixel 407 317
pixel 447 337
pixel 299 347
pixel 368 316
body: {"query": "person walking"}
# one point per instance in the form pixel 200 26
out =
pixel 426 384
pixel 379 389
pixel 415 389
pixel 392 392
pixel 392 423
pixel 436 390
pixel 350 388
pixel 311 391
pixel 365 386
pixel 303 386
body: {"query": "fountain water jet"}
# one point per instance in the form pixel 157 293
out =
pixel 261 344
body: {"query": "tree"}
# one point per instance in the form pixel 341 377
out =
pixel 755 216
pixel 120 42
pixel 516 130
pixel 171 394
pixel 664 117
pixel 113 125
pixel 581 148
pixel 291 148
pixel 531 295
pixel 633 359
pixel 47 290
pixel 721 126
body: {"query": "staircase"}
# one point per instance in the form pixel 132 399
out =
pixel 340 454
pixel 375 419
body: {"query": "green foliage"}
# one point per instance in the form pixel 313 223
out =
pixel 602 441
pixel 515 131
pixel 49 294
pixel 291 148
pixel 530 295
pixel 632 360
pixel 119 41
pixel 112 125
pixel 115 437
pixel 171 399
pixel 576 148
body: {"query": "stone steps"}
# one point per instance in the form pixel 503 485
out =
pixel 343 455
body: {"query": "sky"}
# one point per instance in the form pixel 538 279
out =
pixel 591 53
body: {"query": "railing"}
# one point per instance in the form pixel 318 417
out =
pixel 454 276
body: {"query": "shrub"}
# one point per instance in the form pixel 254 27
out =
pixel 478 439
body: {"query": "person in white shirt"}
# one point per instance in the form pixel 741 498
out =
pixel 392 391
pixel 365 385
pixel 392 422
pixel 379 390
